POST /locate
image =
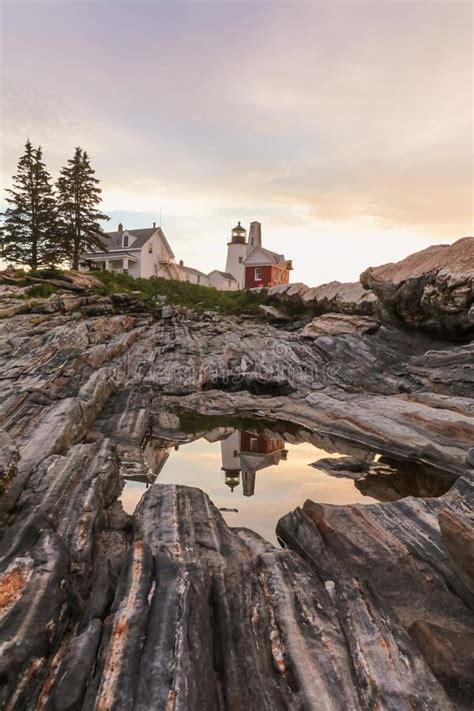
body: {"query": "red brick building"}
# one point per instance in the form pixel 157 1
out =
pixel 252 265
pixel 260 443
pixel 266 275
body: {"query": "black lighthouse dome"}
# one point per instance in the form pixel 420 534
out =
pixel 239 234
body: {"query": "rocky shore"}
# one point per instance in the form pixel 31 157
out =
pixel 364 606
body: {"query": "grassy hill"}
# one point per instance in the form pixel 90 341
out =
pixel 193 296
pixel 199 298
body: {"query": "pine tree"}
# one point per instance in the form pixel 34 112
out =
pixel 78 197
pixel 30 226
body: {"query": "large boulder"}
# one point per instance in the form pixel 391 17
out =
pixel 431 289
pixel 340 297
pixel 289 294
pixel 334 297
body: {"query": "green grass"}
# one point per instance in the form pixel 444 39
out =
pixel 178 293
pixel 192 422
pixel 46 273
pixel 43 291
pixel 181 293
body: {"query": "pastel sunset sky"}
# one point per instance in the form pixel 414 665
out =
pixel 344 127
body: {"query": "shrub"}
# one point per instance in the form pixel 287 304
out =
pixel 43 291
pixel 49 273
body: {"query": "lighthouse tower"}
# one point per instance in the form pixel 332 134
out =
pixel 236 252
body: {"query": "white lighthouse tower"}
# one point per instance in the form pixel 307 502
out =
pixel 236 252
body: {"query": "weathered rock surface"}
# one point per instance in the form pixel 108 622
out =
pixel 334 297
pixel 398 548
pixel 271 313
pixel 340 297
pixel 336 324
pixel 432 289
pixel 171 608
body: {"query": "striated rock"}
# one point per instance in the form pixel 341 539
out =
pixel 432 289
pixel 343 298
pixel 385 479
pixel 351 467
pixel 291 295
pixel 457 533
pixel 470 457
pixel 334 297
pixel 449 653
pixel 80 279
pixel 397 548
pixel 271 313
pixel 389 483
pixel 335 324
pixel 173 609
pixel 9 457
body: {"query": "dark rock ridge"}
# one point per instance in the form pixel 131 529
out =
pixel 365 607
pixel 334 297
pixel 432 289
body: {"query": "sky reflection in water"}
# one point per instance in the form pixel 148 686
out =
pixel 278 487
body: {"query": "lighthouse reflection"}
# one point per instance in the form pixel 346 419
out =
pixel 245 453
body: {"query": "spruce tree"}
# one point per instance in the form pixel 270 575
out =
pixel 78 197
pixel 30 226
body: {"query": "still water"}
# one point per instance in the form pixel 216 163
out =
pixel 259 475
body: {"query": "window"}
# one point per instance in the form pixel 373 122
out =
pixel 125 240
pixel 258 274
pixel 150 248
pixel 241 259
pixel 253 444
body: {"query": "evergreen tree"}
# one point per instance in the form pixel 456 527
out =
pixel 78 197
pixel 30 225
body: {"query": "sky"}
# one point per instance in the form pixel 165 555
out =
pixel 345 128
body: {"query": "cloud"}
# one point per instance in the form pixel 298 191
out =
pixel 334 117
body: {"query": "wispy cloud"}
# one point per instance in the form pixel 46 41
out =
pixel 346 119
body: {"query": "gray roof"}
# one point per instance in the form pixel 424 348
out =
pixel 109 253
pixel 272 257
pixel 226 275
pixel 112 239
pixel 191 269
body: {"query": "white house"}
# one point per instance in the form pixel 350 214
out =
pixel 223 281
pixel 140 253
pixel 194 276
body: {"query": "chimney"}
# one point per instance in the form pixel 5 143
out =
pixel 154 225
pixel 255 235
pixel 120 228
pixel 181 263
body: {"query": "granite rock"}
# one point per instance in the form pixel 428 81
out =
pixel 432 289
